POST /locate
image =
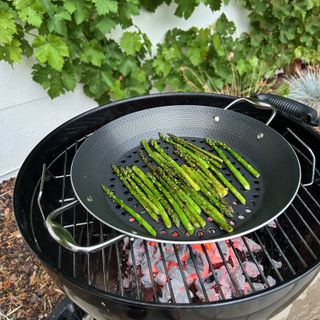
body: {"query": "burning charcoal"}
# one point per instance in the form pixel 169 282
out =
pixel 139 251
pixel 146 280
pixel 271 281
pixel 223 277
pixel 174 273
pixel 239 244
pixel 247 288
pixel 126 282
pixel 239 278
pixel 254 247
pixel 159 266
pixel 226 291
pixel 160 279
pixel 126 243
pixel 258 286
pixel 209 287
pixel 272 224
pixel 225 249
pixel 252 269
pixel 201 262
pixel 179 291
pixel 277 264
pixel 183 252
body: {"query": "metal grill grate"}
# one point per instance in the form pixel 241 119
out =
pixel 292 240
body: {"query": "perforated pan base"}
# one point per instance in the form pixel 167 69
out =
pixel 118 143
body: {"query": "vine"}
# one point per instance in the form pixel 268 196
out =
pixel 71 44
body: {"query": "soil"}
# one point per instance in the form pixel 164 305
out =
pixel 26 290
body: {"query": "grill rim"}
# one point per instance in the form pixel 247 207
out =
pixel 35 248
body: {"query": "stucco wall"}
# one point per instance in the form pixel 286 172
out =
pixel 27 114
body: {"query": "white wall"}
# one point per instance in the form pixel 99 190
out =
pixel 27 114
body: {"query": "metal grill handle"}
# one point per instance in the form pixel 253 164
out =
pixel 60 234
pixel 256 103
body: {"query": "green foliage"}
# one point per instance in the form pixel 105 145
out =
pixel 70 41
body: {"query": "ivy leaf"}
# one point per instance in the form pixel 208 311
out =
pixel 68 76
pixel 215 5
pixel 93 53
pixel 128 8
pixel 7 27
pixel 105 24
pixel 26 48
pixel 49 79
pixel 195 55
pixel 30 11
pixel 131 43
pixel 51 49
pixel 223 26
pixel 57 23
pixel 218 46
pixel 151 6
pixel 11 53
pixel 185 8
pixel 105 6
pixel 116 90
pixel 80 9
pixel 97 81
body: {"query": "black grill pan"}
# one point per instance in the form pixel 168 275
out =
pixel 118 143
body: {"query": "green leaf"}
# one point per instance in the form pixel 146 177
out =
pixel 185 8
pixel 218 46
pixel 11 53
pixel 7 27
pixel 93 53
pixel 49 79
pixel 30 11
pixel 51 49
pixel 151 5
pixel 139 75
pixel 26 48
pixel 215 5
pixel 80 9
pixel 105 6
pixel 116 90
pixel 195 55
pixel 105 24
pixel 57 23
pixel 131 43
pixel 223 26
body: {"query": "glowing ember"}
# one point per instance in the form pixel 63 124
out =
pixel 210 271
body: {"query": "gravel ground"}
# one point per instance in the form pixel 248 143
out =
pixel 26 290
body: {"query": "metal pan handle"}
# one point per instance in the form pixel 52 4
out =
pixel 294 108
pixel 257 104
pixel 62 235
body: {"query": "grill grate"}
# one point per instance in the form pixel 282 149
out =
pixel 291 240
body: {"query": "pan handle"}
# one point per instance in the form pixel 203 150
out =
pixel 62 235
pixel 294 108
pixel 256 103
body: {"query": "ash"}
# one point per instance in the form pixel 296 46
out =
pixel 203 273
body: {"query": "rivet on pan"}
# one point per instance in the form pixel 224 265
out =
pixel 89 199
pixel 216 118
pixel 259 136
pixel 103 303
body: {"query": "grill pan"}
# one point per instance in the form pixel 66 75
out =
pixel 118 143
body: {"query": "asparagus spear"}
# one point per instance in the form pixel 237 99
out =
pixel 210 210
pixel 151 209
pixel 146 180
pixel 215 183
pixel 241 160
pixel 214 198
pixel 185 150
pixel 135 215
pixel 193 152
pixel 155 191
pixel 174 165
pixel 164 216
pixel 183 218
pixel 229 185
pixel 194 147
pixel 171 185
pixel 228 163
